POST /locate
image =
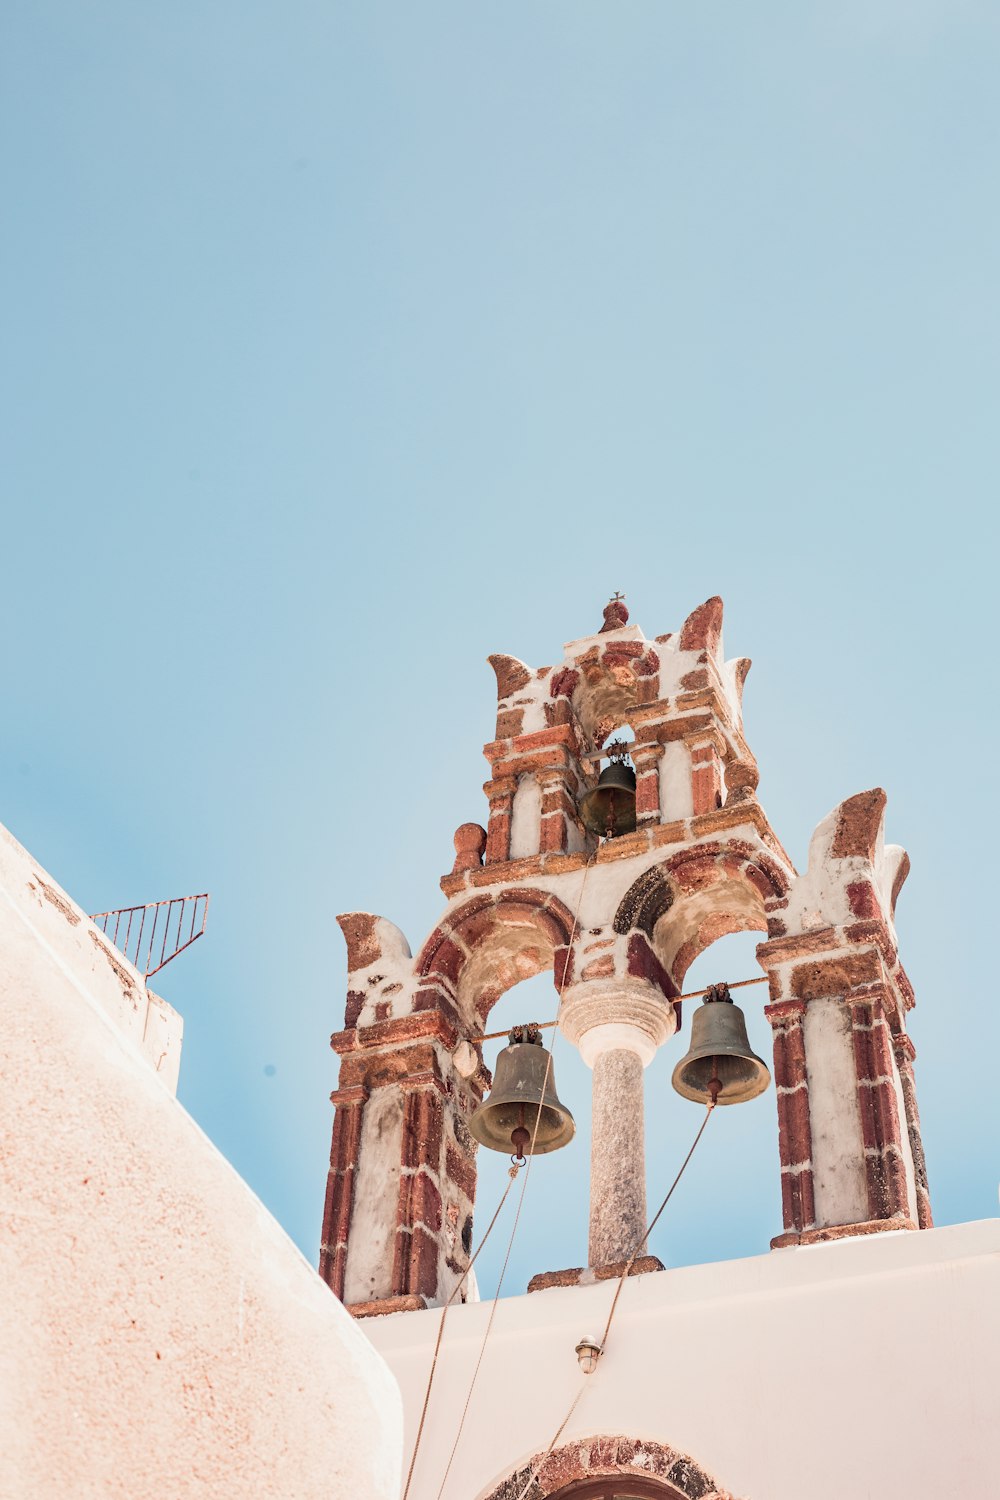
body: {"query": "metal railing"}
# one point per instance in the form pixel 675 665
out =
pixel 151 935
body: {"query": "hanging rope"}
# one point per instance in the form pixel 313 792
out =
pixel 524 1184
pixel 537 1467
pixel 515 1168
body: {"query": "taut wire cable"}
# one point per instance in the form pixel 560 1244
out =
pixel 524 1180
pixel 537 1467
pixel 515 1168
pixel 738 984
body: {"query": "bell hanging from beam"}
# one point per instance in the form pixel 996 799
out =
pixel 609 808
pixel 719 1065
pixel 524 1091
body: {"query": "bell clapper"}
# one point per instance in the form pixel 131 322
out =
pixel 714 1083
pixel 520 1137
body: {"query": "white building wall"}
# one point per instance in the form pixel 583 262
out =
pixel 861 1368
pixel 160 1336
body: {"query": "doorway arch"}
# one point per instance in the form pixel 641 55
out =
pixel 612 1467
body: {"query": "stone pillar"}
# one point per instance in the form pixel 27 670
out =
pixel 558 808
pixel 881 1133
pixel 791 1086
pixel 845 1154
pixel 501 794
pixel 905 1054
pixel 705 749
pixel 617 1024
pixel 617 1157
pixel 344 1150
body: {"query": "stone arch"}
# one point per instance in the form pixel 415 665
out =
pixel 698 895
pixel 609 1456
pixel 602 688
pixel 490 943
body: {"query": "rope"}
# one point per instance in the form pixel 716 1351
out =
pixel 538 1466
pixel 524 1187
pixel 515 1168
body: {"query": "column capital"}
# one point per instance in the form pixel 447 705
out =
pixel 611 1015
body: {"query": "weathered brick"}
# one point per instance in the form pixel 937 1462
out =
pixel 859 823
pixel 460 1168
pixel 835 976
pixel 794 1136
pixel 702 629
pixel 511 674
pixel 797 1200
pixel 863 899
pixel 599 968
pixel 363 946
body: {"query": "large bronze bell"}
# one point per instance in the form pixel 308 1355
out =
pixel 609 809
pixel 521 1092
pixel 719 1061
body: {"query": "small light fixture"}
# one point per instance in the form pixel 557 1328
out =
pixel 588 1352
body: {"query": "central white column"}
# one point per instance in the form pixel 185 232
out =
pixel 617 1158
pixel 617 1026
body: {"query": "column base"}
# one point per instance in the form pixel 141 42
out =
pixel 840 1232
pixel 384 1305
pixel 585 1275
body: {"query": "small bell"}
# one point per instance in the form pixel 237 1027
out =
pixel 719 1061
pixel 521 1092
pixel 609 808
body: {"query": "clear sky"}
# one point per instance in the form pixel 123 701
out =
pixel 346 343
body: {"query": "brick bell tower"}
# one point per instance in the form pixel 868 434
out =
pixel 619 921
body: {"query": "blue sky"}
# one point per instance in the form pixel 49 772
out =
pixel 346 343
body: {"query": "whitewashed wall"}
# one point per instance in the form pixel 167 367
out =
pixel 159 1333
pixel 863 1368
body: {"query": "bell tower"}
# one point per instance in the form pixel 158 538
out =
pixel 617 886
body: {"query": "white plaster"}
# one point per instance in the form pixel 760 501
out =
pixel 368 1273
pixel 834 1115
pixel 526 818
pixel 89 960
pixel 573 649
pixel 818 896
pixel 576 838
pixel 392 941
pixel 729 672
pixel 159 1333
pixel 534 708
pixel 616 1036
pixel 465 1059
pixel 389 976
pixel 676 795
pixel 865 1367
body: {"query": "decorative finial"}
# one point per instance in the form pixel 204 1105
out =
pixel 615 613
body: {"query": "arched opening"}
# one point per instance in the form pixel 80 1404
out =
pixel 611 1467
pixel 613 744
pixel 729 1203
pixel 618 1487
pixel 491 943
